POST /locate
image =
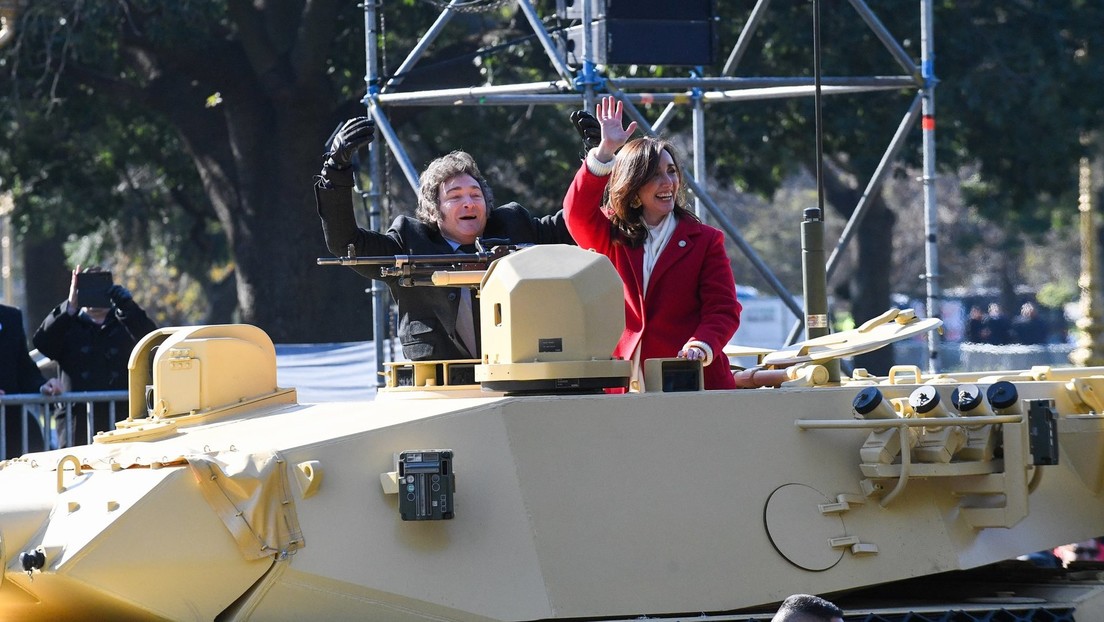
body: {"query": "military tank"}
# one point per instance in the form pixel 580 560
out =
pixel 515 487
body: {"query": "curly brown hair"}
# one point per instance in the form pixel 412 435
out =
pixel 636 163
pixel 438 172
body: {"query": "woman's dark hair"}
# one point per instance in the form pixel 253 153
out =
pixel 636 163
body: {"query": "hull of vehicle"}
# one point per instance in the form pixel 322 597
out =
pixel 565 507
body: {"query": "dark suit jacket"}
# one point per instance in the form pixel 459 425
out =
pixel 427 315
pixel 18 374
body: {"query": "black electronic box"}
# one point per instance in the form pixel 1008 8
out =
pixel 426 484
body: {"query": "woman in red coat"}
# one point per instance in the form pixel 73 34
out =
pixel 680 297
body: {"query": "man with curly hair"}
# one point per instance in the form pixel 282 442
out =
pixel 455 206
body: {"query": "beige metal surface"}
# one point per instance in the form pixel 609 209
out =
pixel 249 506
pixel 550 293
pixel 569 506
pixel 893 325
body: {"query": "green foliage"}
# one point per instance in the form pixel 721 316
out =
pixel 104 170
pixel 1057 294
pixel 528 153
pixel 1011 103
pixel 91 148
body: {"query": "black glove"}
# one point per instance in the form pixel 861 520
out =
pixel 588 127
pixel 347 139
pixel 119 295
pixel 341 145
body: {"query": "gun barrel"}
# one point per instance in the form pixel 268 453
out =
pixel 401 260
pixel 458 277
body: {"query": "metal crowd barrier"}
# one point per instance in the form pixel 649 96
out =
pixel 956 356
pixel 48 411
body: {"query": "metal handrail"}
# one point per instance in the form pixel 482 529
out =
pixel 45 411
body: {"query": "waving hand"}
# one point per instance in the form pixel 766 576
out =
pixel 614 135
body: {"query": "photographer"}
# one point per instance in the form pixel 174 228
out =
pixel 91 343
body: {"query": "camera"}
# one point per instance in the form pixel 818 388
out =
pixel 92 288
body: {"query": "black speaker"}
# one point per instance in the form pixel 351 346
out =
pixel 659 42
pixel 643 32
pixel 682 10
pixel 643 42
pixel 670 10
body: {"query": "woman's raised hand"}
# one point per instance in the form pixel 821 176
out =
pixel 614 135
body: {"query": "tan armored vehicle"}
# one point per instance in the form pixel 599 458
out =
pixel 513 488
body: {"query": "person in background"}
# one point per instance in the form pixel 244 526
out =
pixel 680 296
pixel 807 608
pixel 92 347
pixel 998 330
pixel 975 326
pixel 455 206
pixel 1027 327
pixel 19 374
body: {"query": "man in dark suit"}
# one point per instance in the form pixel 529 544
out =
pixel 455 206
pixel 19 374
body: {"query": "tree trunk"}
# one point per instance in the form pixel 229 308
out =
pixel 48 278
pixel 278 237
pixel 869 285
pixel 870 295
pixel 257 151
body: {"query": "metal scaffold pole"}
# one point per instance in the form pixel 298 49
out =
pixel 931 211
pixel 581 81
pixel 699 150
pixel 380 296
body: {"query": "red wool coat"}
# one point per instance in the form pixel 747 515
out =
pixel 691 292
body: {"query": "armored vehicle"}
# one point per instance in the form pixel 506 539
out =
pixel 516 487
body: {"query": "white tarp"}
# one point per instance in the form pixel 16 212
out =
pixel 328 372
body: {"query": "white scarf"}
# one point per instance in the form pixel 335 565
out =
pixel 654 243
pixel 657 239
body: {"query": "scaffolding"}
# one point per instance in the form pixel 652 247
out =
pixel 580 85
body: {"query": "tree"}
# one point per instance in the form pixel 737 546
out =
pixel 199 126
pixel 247 91
pixel 155 100
pixel 1010 107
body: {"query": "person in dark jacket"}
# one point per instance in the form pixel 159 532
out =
pixel 455 206
pixel 975 326
pixel 998 327
pixel 92 347
pixel 1027 327
pixel 19 374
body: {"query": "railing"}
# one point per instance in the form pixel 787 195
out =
pixel 34 410
pixel 955 356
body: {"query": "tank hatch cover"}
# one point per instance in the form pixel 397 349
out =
pixel 889 327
